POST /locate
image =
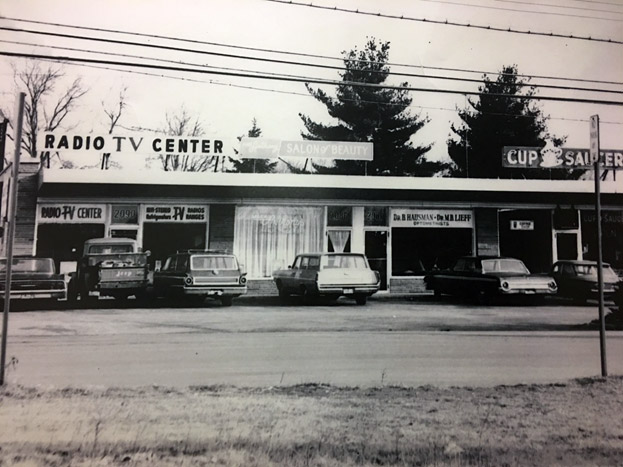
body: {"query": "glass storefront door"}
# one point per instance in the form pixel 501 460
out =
pixel 567 245
pixel 376 251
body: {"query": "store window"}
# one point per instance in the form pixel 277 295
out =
pixel 339 226
pixel 124 214
pixel 416 252
pixel 339 216
pixel 425 240
pixel 339 240
pixel 375 216
pixel 267 238
pixel 611 237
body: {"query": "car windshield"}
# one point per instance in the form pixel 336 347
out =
pixel 111 249
pixel 343 261
pixel 591 270
pixel 205 263
pixel 504 265
pixel 29 265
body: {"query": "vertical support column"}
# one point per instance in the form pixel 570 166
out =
pixel 358 239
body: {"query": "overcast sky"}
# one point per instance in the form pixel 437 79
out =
pixel 227 105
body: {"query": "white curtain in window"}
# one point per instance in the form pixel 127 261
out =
pixel 339 238
pixel 267 238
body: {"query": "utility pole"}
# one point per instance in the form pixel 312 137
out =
pixel 594 152
pixel 11 233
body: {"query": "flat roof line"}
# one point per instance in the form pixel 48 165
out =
pixel 118 177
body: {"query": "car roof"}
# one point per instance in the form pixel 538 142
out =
pixel 109 240
pixel 580 262
pixel 487 257
pixel 3 258
pixel 203 252
pixel 330 254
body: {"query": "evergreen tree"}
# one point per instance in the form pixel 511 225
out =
pixel 494 121
pixel 371 114
pixel 252 165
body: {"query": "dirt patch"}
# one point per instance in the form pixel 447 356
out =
pixel 577 423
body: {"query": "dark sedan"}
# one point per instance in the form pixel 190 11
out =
pixel 33 278
pixel 578 280
pixel 488 276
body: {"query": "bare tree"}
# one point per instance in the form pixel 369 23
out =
pixel 113 114
pixel 39 114
pixel 183 124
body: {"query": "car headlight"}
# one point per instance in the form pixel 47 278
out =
pixel 243 280
pixel 505 285
pixel 188 280
pixel 552 285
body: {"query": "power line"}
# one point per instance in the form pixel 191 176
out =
pixel 272 51
pixel 280 91
pixel 449 23
pixel 566 7
pixel 313 80
pixel 293 93
pixel 521 11
pixel 412 75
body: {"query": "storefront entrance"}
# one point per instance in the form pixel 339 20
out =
pixel 376 251
pixel 64 242
pixel 163 239
pixel 566 245
pixel 527 235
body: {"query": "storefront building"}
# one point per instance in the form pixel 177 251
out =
pixel 406 226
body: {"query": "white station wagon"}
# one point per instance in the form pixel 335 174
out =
pixel 328 274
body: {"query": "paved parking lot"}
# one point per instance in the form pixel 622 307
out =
pixel 248 314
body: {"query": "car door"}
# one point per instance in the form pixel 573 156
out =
pixel 481 281
pixel 301 275
pixel 450 281
pixel 162 280
pixel 288 276
pixel 181 268
pixel 309 275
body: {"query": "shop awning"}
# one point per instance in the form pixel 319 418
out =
pixel 245 188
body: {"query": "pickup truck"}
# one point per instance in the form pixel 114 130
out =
pixel 111 267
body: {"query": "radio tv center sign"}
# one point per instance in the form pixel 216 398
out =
pixel 551 157
pixel 251 148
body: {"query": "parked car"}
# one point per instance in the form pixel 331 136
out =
pixel 488 276
pixel 33 278
pixel 200 274
pixel 328 274
pixel 578 279
pixel 111 267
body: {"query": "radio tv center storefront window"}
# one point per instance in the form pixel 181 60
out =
pixel 425 240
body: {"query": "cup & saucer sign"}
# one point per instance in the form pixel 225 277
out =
pixel 552 157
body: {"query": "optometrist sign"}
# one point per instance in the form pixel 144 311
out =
pixel 136 143
pixel 551 157
pixel 450 218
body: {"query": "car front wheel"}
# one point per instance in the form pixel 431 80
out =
pixel 227 301
pixel 361 299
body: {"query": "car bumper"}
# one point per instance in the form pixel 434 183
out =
pixel 527 292
pixel 36 294
pixel 214 291
pixel 133 285
pixel 347 289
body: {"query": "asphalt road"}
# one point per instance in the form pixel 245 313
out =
pixel 259 343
